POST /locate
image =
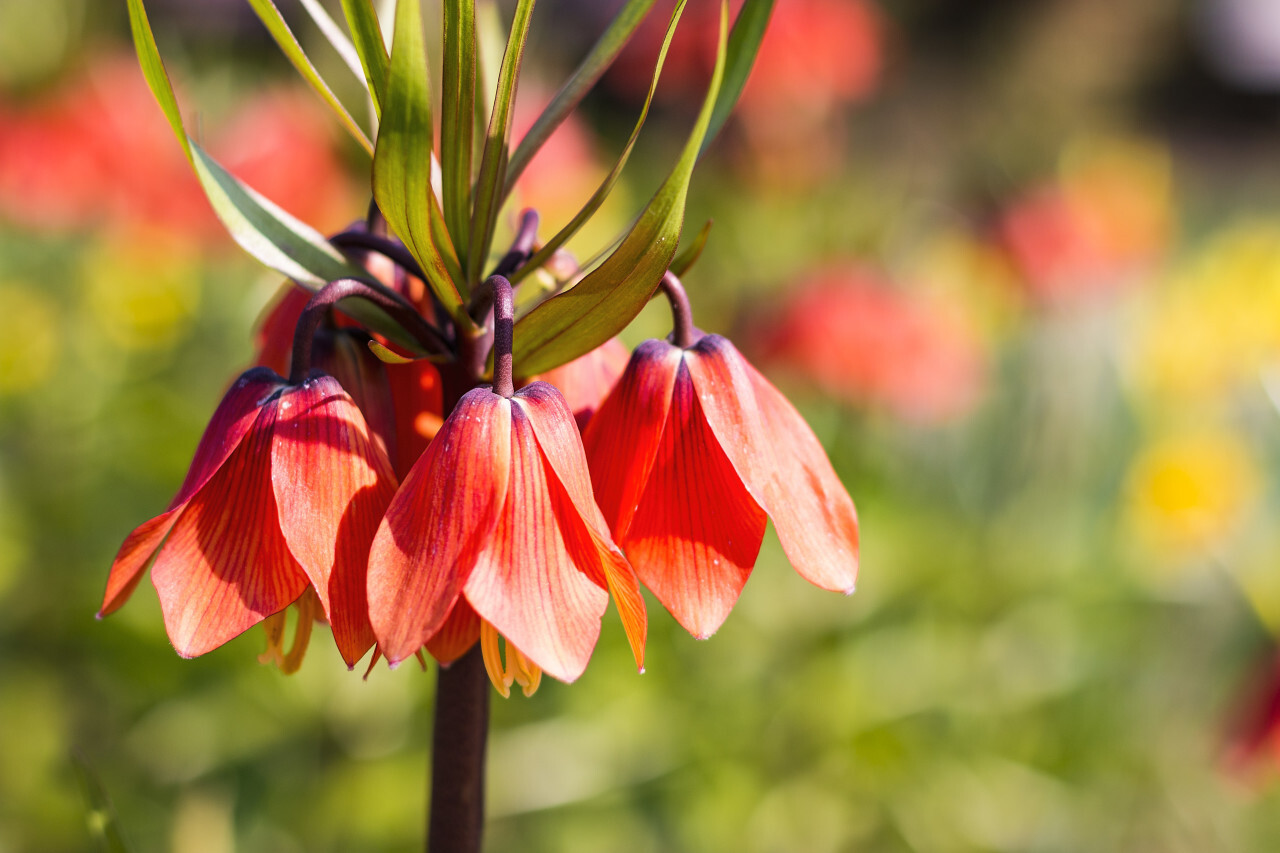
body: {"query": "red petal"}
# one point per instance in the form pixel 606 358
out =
pixel 225 566
pixel 813 513
pixel 439 520
pixel 274 340
pixel 418 397
pixel 234 416
pixel 623 436
pixel 603 561
pixel 132 558
pixel 697 531
pixel 526 582
pixel 458 634
pixel 232 419
pixel 586 381
pixel 781 462
pixel 332 486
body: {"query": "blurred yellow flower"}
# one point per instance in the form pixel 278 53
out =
pixel 29 337
pixel 141 294
pixel 1215 323
pixel 1189 492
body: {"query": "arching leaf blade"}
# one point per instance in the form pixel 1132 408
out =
pixel 366 36
pixel 279 29
pixel 744 44
pixel 606 186
pixel 457 119
pixel 493 163
pixel 597 61
pixel 402 161
pixel 607 299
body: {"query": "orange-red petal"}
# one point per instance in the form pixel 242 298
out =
pixel 443 515
pixel 813 513
pixel 526 582
pixel 458 634
pixel 604 562
pixel 225 565
pixel 586 381
pixel 231 420
pixel 623 436
pixel 697 531
pixel 781 462
pixel 331 485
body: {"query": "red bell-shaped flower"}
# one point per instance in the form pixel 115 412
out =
pixel 285 493
pixel 498 515
pixel 688 455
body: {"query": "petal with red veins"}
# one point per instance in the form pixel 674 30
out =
pixel 587 380
pixel 526 582
pixel 697 531
pixel 225 566
pixel 332 485
pixel 442 517
pixel 458 634
pixel 813 513
pixel 233 418
pixel 417 396
pixel 603 561
pixel 623 436
pixel 781 462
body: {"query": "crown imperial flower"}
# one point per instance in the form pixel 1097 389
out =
pixel 689 454
pixel 284 495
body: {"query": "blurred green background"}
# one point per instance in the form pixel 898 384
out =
pixel 1018 262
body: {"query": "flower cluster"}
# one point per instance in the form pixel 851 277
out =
pixel 394 466
pixel 509 522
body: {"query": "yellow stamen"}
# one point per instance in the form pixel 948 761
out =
pixel 274 627
pixel 309 610
pixel 493 659
pixel 527 673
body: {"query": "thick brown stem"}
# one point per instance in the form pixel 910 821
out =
pixel 456 822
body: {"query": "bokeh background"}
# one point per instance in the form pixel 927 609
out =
pixel 1018 262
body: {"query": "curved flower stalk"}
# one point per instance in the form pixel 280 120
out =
pixel 498 517
pixel 690 453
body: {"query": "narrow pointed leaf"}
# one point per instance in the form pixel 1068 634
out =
pixel 366 36
pixel 579 83
pixel 606 300
pixel 457 119
pixel 402 161
pixel 279 29
pixel 264 230
pixel 684 261
pixel 744 43
pixel 493 164
pixel 606 186
pixel 490 44
pixel 335 36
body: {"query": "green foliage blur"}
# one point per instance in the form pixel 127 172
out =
pixel 1019 266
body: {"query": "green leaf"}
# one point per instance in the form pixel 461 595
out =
pixel 272 236
pixel 493 165
pixel 608 298
pixel 490 43
pixel 284 37
pixel 402 159
pixel 366 35
pixel 744 43
pixel 336 37
pixel 685 260
pixel 457 120
pixel 606 186
pixel 599 59
pixel 104 826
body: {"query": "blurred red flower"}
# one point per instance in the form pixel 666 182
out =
pixel 859 339
pixel 98 151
